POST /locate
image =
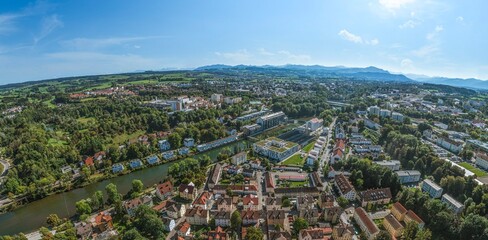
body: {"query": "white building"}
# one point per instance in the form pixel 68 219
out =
pixel 385 113
pixel 482 160
pixel 374 110
pixel 216 97
pixel 239 158
pixel 454 205
pixel 394 165
pixel 434 190
pixel 314 124
pixel 408 176
pixel 397 117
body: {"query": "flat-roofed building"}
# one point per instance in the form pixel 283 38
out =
pixel 271 120
pixel 408 176
pixel 393 165
pixel 482 160
pixel 434 190
pixel 456 206
pixel 275 149
pixel 366 223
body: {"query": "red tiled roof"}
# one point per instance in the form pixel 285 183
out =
pixel 165 187
pixel 411 214
pixel 202 198
pixel 269 180
pixel 89 161
pixel 399 207
pixel 248 199
pixel 363 216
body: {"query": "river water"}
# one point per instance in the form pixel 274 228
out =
pixel 33 215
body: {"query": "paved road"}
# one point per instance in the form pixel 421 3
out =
pixel 6 166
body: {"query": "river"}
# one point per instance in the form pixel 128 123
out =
pixel 33 215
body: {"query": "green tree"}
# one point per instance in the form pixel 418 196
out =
pixel 97 200
pixel 148 222
pixel 83 207
pixel 53 220
pixel 175 140
pixel 299 224
pixel 383 235
pixel 236 221
pixel 474 227
pixel 137 186
pixel 343 202
pixel 254 233
pixel 132 234
pixel 112 193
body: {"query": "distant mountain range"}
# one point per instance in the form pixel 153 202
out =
pixel 368 73
pixel 471 83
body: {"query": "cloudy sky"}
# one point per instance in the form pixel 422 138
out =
pixel 47 39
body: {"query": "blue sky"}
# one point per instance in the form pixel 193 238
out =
pixel 47 39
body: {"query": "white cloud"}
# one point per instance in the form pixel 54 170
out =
pixel 432 35
pixel 406 63
pixel 94 43
pixel 409 24
pixel 394 4
pixel 426 50
pixel 460 19
pixel 7 22
pixel 350 37
pixel 241 55
pixel 49 24
pixel 346 35
pixel 263 56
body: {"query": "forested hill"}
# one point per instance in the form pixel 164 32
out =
pixel 368 73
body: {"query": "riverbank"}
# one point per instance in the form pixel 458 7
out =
pixel 33 215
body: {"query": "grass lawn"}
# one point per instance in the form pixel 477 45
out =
pixel 477 171
pixel 95 98
pixel 1 168
pixel 117 140
pixel 50 103
pixel 294 160
pixel 309 146
pixel 85 120
pixel 298 184
pixel 56 142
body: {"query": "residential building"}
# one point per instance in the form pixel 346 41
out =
pixel 183 151
pixel 204 200
pixel 216 143
pixel 216 97
pixel 225 203
pixel 408 176
pixel 309 214
pixel 385 113
pixel 275 149
pixel 197 216
pixel 164 190
pixel 314 124
pixel 222 218
pixel 375 196
pixel 250 217
pixel 251 116
pixel 411 216
pixel 305 202
pixel 251 202
pixel 169 224
pixel 118 167
pixel 219 233
pixel 277 217
pixel 152 160
pixel 482 160
pixel 449 144
pixel 397 117
pixel 316 181
pixel 183 229
pixel 102 222
pixel 434 190
pixel 374 110
pixel 239 158
pixel 454 205
pixel 271 120
pixel 366 223
pixel 393 226
pixel 171 208
pixel 188 142
pixel 398 211
pixel 214 176
pixel 345 188
pixel 83 230
pixel 164 145
pixel 269 182
pixel 251 129
pixel 236 189
pixel 136 163
pixel 393 165
pixel 131 205
pixel 273 203
pixel 315 234
pixel 342 232
pixel 187 191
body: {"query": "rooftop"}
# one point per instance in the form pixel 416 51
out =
pixel 363 216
